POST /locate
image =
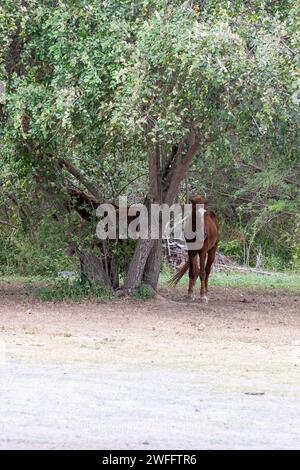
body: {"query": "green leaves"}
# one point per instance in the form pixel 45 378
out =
pixel 98 83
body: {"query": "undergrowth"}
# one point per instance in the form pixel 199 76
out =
pixel 75 290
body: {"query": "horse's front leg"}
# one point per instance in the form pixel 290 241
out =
pixel 203 276
pixel 210 259
pixel 193 274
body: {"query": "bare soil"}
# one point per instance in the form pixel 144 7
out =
pixel 160 374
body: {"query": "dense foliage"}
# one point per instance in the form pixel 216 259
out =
pixel 91 86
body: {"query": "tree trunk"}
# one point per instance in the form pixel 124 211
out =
pixel 92 268
pixel 136 268
pixel 152 266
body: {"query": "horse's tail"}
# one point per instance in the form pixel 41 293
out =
pixel 177 276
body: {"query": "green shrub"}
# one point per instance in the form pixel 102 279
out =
pixel 275 263
pixel 75 290
pixel 142 293
pixel 295 263
pixel 43 255
pixel 233 249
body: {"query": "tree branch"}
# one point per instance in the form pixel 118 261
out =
pixel 5 222
pixel 179 170
pixel 258 169
pixel 80 177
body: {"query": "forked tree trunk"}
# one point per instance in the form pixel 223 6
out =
pixel 164 181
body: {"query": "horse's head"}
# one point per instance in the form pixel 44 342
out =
pixel 198 200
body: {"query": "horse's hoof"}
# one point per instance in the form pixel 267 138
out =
pixel 191 298
pixel 204 298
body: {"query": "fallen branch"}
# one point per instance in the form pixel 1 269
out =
pixel 246 269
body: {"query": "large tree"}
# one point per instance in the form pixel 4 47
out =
pixel 202 81
pixel 103 97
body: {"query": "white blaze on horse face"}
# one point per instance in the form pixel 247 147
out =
pixel 201 211
pixel 195 239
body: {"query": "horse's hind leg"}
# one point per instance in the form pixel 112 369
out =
pixel 202 256
pixel 193 274
pixel 210 259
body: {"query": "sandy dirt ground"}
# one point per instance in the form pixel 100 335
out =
pixel 161 374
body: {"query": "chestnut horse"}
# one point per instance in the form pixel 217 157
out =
pixel 206 253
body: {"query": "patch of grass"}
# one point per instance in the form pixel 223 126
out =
pixel 283 282
pixel 142 293
pixel 74 290
pixel 15 278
